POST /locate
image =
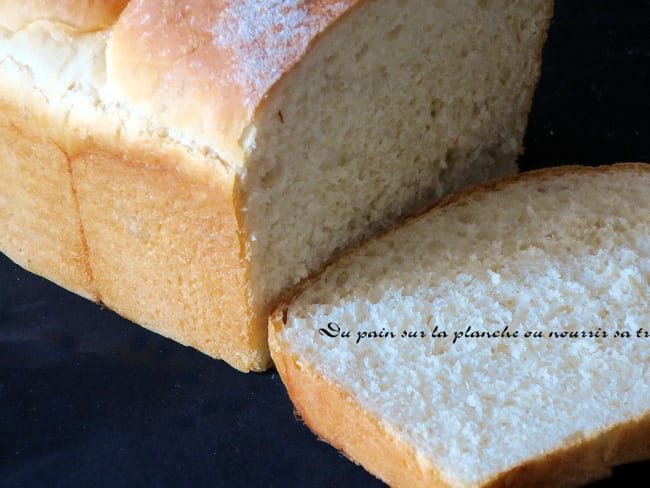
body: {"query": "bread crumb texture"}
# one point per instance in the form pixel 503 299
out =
pixel 556 252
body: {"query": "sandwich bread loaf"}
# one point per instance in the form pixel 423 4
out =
pixel 500 339
pixel 184 163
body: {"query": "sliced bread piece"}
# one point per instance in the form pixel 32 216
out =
pixel 207 155
pixel 500 339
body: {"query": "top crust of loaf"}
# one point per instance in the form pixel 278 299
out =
pixel 169 58
pixel 78 15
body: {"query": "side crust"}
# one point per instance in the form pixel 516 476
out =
pixel 146 228
pixel 40 228
pixel 164 246
pixel 335 417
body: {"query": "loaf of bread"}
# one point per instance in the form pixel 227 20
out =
pixel 500 339
pixel 185 163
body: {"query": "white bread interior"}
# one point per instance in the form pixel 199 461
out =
pixel 564 250
pixel 388 105
pixel 368 128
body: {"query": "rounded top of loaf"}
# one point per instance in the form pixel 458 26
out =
pixel 204 67
pixel 78 15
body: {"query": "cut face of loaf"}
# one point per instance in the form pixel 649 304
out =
pixel 501 339
pixel 187 162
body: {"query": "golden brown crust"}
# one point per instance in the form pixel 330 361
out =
pixel 78 15
pixel 360 436
pixel 40 227
pixel 164 246
pixel 124 216
pixel 335 417
pixel 159 236
pixel 172 56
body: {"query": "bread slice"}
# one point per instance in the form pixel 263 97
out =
pixel 185 163
pixel 500 339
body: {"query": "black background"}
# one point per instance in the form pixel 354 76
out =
pixel 87 398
